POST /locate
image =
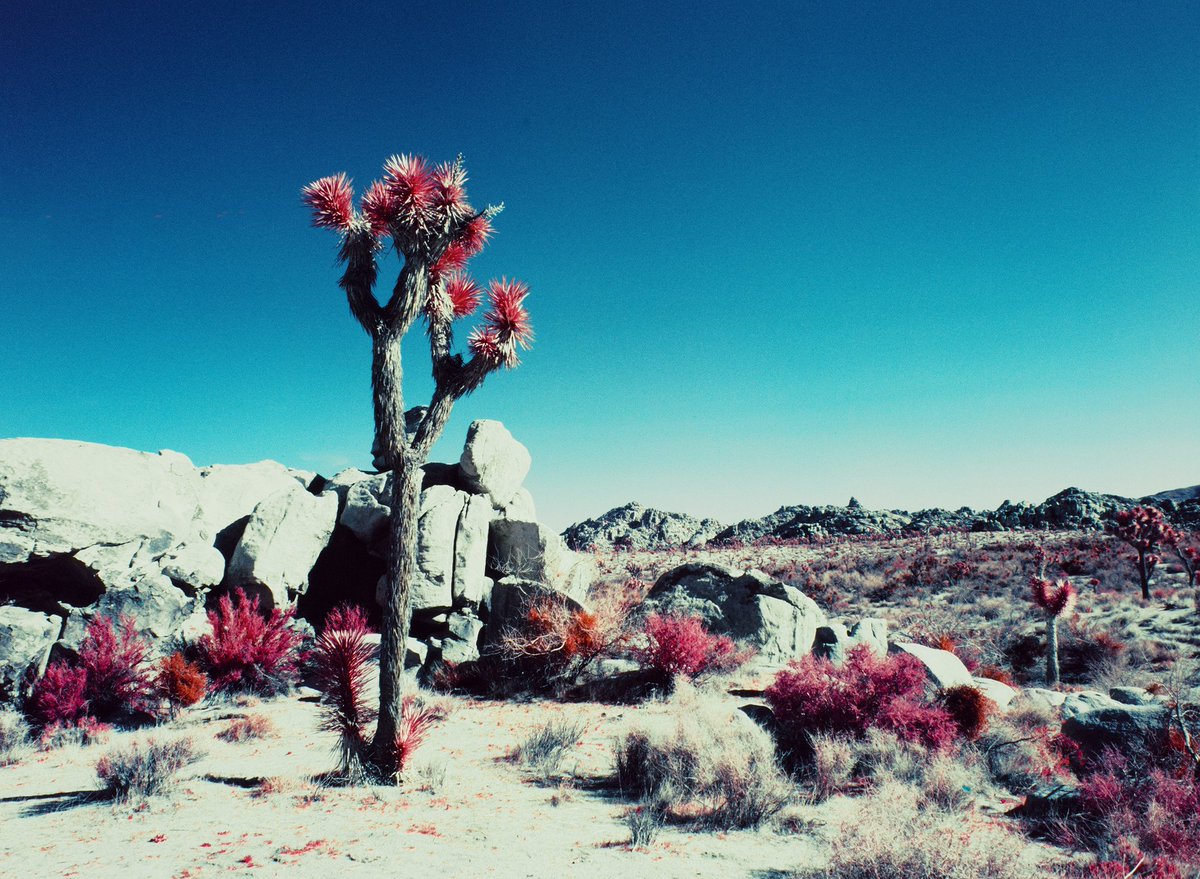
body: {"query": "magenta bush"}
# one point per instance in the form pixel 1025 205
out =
pixel 814 695
pixel 114 660
pixel 681 645
pixel 59 698
pixel 247 650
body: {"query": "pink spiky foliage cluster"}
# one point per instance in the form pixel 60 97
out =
pixel 416 721
pixel 247 650
pixel 340 664
pixel 1055 597
pixel 423 209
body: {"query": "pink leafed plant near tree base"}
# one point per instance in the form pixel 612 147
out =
pixel 340 663
pixel 247 651
pixel 416 720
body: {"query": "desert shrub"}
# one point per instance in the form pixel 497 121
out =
pixel 181 683
pixel 341 668
pixel 681 645
pixel 546 747
pixel 113 657
pixel 1124 868
pixel 14 737
pixel 815 695
pixel 714 766
pixel 1148 805
pixel 247 651
pixel 831 768
pixel 644 823
pixel 109 678
pixel 83 732
pixel 1022 750
pixel 59 697
pixel 144 769
pixel 555 642
pixel 968 708
pixel 893 836
pixel 248 728
pixel 417 718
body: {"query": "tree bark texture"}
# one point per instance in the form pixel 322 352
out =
pixel 402 555
pixel 1051 651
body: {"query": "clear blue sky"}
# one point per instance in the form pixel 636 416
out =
pixel 921 253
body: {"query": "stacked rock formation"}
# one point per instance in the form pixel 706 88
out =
pixel 88 529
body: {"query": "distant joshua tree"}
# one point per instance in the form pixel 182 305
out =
pixel 424 211
pixel 1145 529
pixel 1056 599
pixel 1189 556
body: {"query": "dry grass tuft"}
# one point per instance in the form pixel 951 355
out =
pixel 714 767
pixel 895 836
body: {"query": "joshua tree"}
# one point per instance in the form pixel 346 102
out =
pixel 1189 556
pixel 424 212
pixel 1143 528
pixel 1056 599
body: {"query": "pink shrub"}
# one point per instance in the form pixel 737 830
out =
pixel 59 698
pixel 416 720
pixel 247 651
pixel 681 645
pixel 814 695
pixel 1133 808
pixel 115 664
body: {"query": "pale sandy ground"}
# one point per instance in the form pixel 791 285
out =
pixel 489 818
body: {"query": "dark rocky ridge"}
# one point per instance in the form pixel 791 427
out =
pixel 1072 509
pixel 636 527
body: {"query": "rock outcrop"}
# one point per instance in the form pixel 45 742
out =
pixel 87 529
pixel 779 621
pixel 636 527
pixel 1072 509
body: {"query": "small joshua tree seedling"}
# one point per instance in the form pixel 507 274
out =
pixel 1056 598
pixel 425 214
pixel 1145 529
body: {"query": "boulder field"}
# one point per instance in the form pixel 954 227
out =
pixel 88 529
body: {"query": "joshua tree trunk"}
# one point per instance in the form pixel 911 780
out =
pixel 402 552
pixel 1144 576
pixel 1051 651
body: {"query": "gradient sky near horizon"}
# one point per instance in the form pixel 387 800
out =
pixel 922 253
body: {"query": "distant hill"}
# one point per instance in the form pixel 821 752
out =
pixel 1072 509
pixel 1177 495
